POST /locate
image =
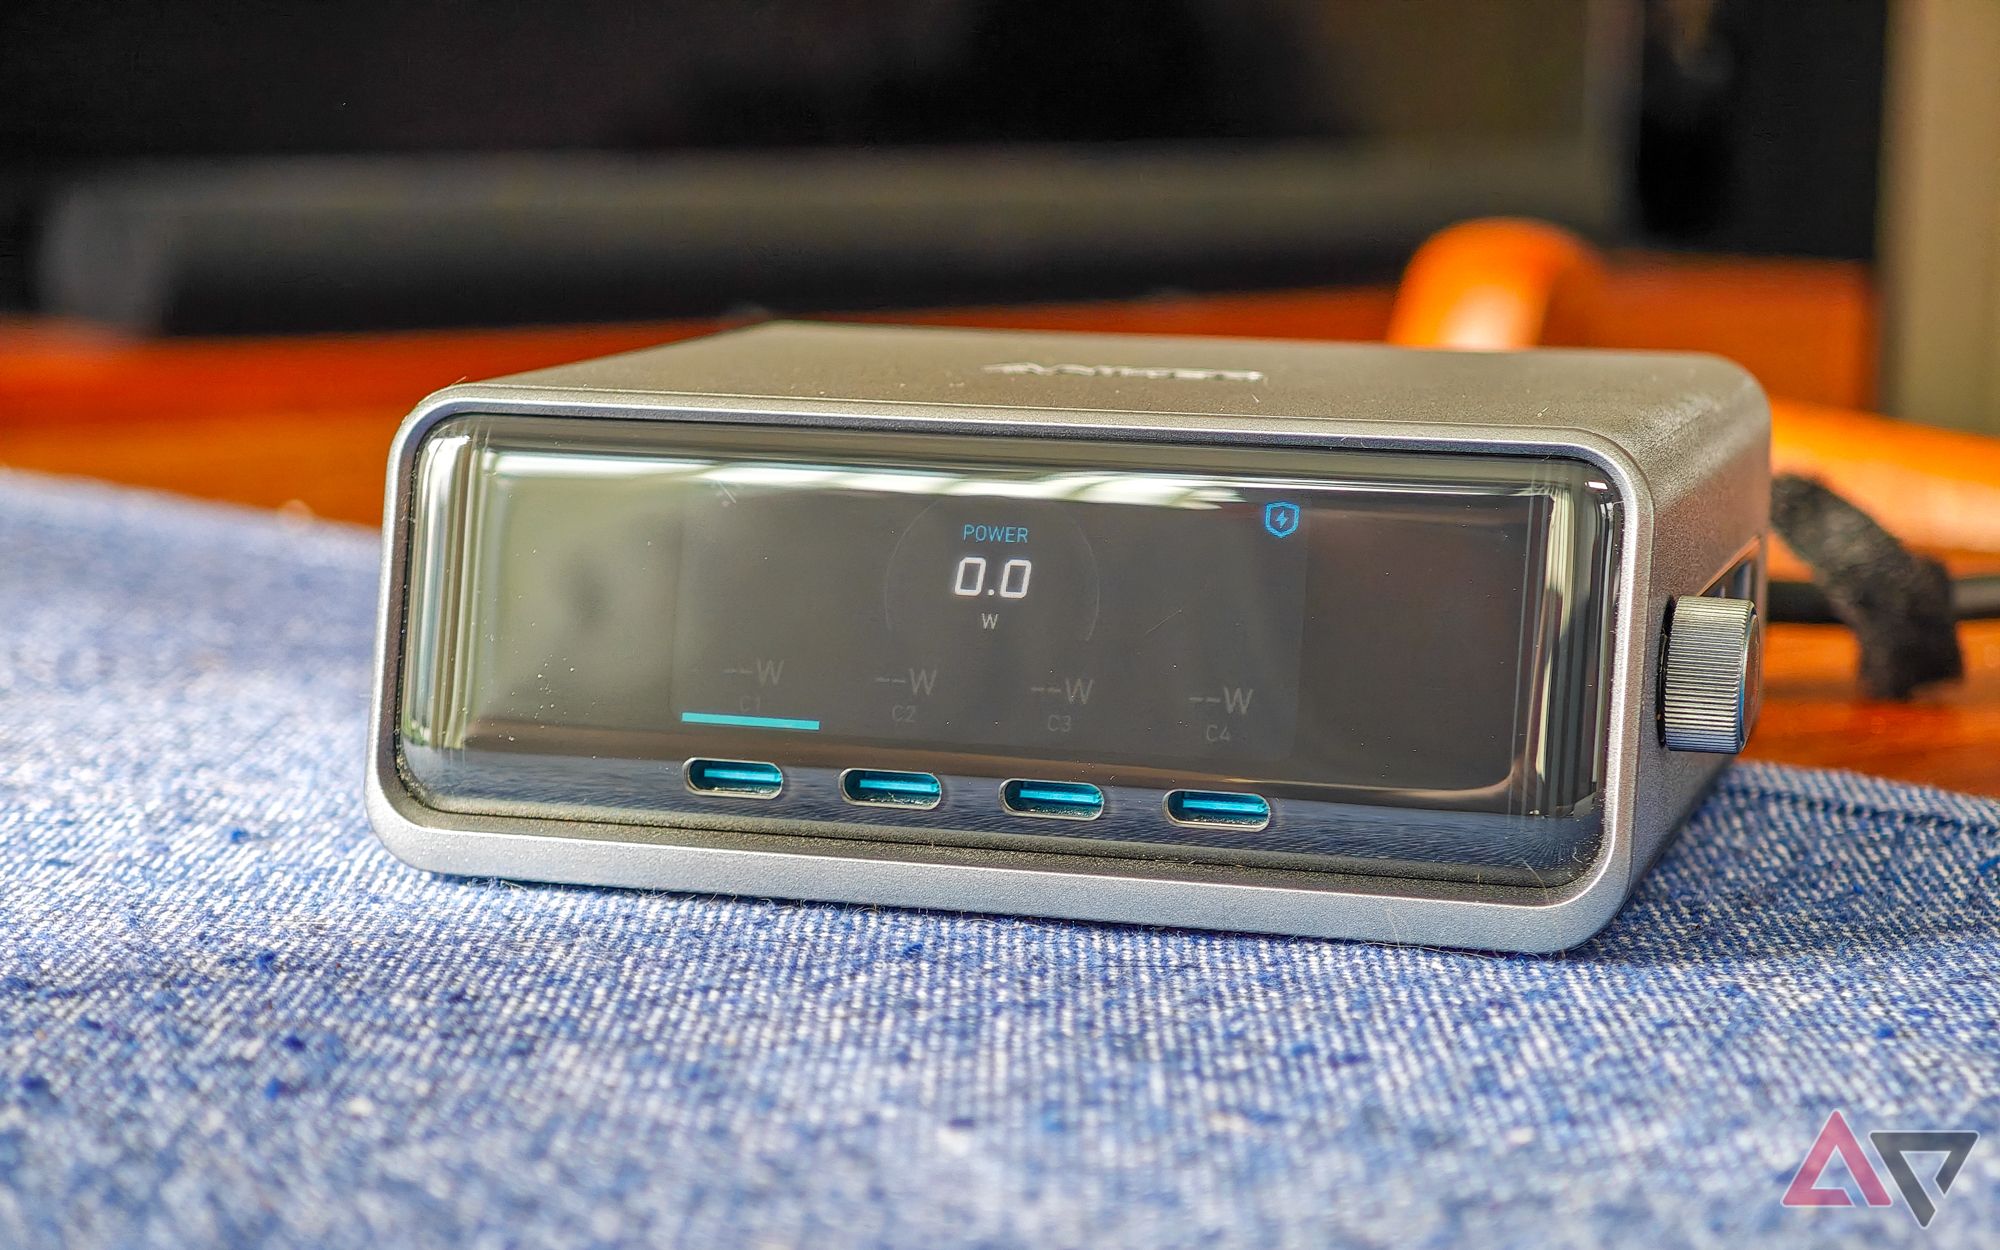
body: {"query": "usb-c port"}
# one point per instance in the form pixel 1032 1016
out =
pixel 742 779
pixel 1219 808
pixel 876 787
pixel 1052 800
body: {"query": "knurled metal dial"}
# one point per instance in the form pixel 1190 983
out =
pixel 1709 674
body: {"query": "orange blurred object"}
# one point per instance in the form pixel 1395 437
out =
pixel 1500 284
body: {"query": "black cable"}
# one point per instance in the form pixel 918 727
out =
pixel 1804 603
pixel 1899 604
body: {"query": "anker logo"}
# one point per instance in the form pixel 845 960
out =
pixel 1127 371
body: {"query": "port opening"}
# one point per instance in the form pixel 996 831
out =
pixel 877 787
pixel 1218 809
pixel 1052 800
pixel 742 779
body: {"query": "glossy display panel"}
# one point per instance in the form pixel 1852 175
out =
pixel 1306 658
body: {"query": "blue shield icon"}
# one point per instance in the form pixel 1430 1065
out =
pixel 1281 519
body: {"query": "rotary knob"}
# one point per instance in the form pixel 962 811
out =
pixel 1709 674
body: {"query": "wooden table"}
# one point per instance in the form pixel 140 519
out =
pixel 1814 714
pixel 305 424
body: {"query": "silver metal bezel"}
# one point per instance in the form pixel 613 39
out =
pixel 817 866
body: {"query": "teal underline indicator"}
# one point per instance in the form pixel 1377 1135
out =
pixel 750 722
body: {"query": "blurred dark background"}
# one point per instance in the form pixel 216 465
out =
pixel 227 167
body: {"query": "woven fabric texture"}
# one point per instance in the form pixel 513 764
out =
pixel 228 1017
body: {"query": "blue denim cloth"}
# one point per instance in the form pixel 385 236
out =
pixel 229 1017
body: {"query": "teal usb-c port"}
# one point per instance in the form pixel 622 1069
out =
pixel 1220 808
pixel 877 787
pixel 1052 800
pixel 740 779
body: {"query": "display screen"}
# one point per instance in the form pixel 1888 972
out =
pixel 593 603
pixel 1059 613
